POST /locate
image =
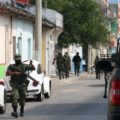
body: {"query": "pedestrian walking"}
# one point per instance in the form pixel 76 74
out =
pixel 67 64
pixel 18 83
pixel 60 65
pixel 84 64
pixel 97 71
pixel 77 60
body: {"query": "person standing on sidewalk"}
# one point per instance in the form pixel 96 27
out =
pixel 84 63
pixel 67 65
pixel 18 83
pixel 77 60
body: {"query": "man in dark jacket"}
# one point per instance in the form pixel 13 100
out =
pixel 76 60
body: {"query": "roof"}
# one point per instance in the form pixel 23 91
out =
pixel 18 12
pixel 7 9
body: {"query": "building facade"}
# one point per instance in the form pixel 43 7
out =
pixel 17 28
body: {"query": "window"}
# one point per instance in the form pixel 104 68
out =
pixel 20 45
pixel 14 45
pixel 29 48
pixel 39 71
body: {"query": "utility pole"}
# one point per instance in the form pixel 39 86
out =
pixel 38 31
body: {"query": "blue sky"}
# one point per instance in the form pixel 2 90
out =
pixel 113 1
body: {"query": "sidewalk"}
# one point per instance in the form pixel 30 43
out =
pixel 82 76
pixel 86 76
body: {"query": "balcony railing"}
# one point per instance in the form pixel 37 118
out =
pixel 48 15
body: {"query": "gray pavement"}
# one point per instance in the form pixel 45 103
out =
pixel 75 98
pixel 73 78
pixel 85 94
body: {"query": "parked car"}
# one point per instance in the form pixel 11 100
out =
pixel 42 90
pixel 2 97
pixel 114 96
pixel 114 88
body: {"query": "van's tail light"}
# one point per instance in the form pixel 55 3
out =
pixel 115 92
pixel 1 83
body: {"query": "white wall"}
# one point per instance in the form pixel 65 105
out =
pixel 5 39
pixel 72 49
pixel 53 17
pixel 50 47
pixel 24 29
pixel 51 38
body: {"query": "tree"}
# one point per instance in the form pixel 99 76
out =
pixel 83 22
pixel 32 2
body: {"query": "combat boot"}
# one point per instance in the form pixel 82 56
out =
pixel 22 111
pixel 14 113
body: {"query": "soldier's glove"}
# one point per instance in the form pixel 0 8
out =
pixel 35 83
pixel 31 64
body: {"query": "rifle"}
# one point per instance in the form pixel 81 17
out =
pixel 92 67
pixel 35 82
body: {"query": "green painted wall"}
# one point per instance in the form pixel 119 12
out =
pixel 2 71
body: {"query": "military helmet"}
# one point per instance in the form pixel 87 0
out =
pixel 17 57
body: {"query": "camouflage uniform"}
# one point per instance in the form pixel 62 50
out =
pixel 97 71
pixel 67 64
pixel 18 84
pixel 60 65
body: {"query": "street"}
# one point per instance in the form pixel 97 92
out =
pixel 76 98
pixel 42 38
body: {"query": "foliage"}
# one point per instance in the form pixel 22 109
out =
pixel 32 2
pixel 83 22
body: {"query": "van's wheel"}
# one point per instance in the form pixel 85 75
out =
pixel 3 108
pixel 47 95
pixel 41 94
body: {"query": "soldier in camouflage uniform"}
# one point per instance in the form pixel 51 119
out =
pixel 67 65
pixel 60 65
pixel 97 70
pixel 18 83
